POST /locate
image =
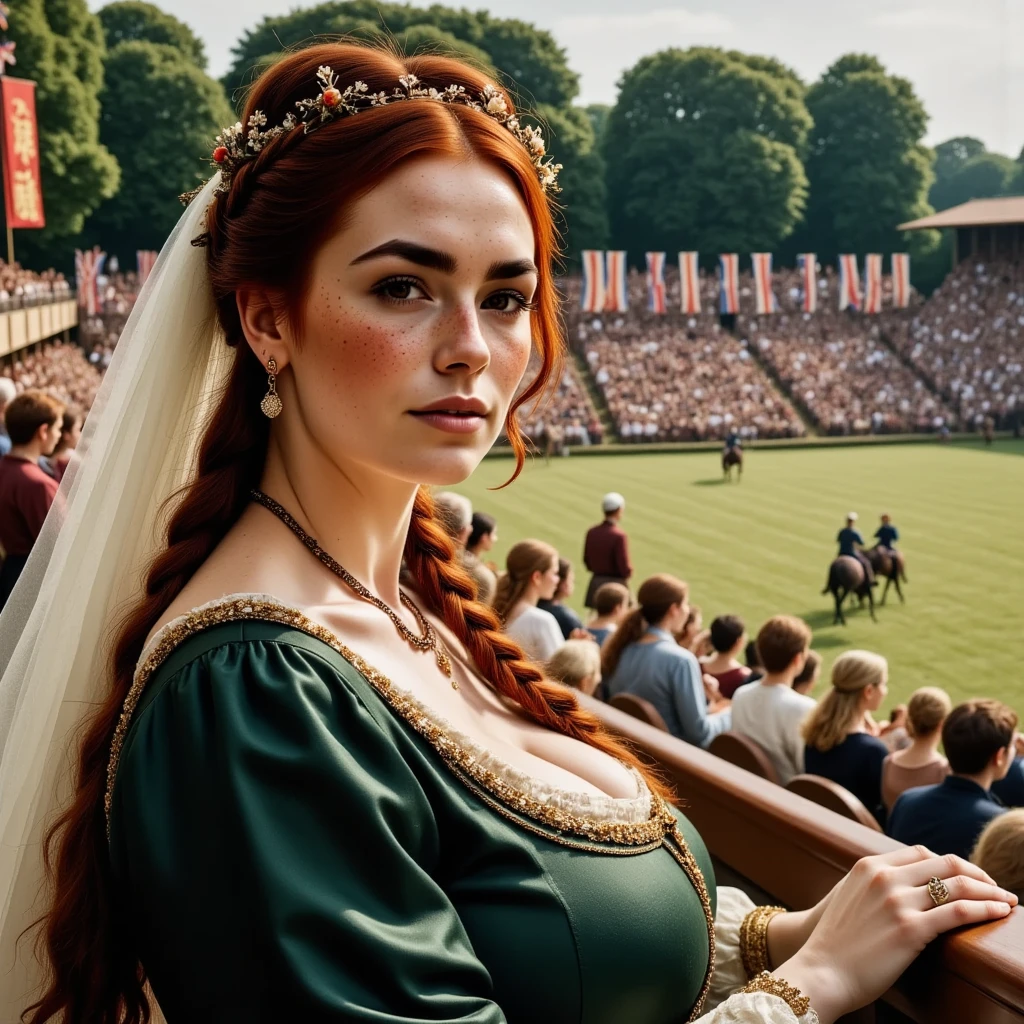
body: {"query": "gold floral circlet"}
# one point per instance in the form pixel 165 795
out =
pixel 565 827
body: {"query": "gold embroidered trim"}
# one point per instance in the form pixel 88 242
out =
pixel 754 940
pixel 643 836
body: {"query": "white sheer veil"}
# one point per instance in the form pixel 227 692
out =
pixel 138 446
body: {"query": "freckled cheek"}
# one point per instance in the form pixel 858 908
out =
pixel 509 362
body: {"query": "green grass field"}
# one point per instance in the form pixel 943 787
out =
pixel 763 547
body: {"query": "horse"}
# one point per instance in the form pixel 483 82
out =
pixel 732 457
pixel 890 566
pixel 847 576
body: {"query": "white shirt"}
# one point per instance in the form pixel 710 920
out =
pixel 537 632
pixel 771 716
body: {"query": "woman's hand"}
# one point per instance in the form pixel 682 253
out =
pixel 711 690
pixel 878 918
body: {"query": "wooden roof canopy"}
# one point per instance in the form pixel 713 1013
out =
pixel 973 214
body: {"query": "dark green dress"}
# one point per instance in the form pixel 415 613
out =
pixel 296 840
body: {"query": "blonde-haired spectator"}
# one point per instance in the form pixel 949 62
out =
pixel 577 663
pixel 1000 851
pixel 920 764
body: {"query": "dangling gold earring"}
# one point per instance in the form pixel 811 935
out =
pixel 271 404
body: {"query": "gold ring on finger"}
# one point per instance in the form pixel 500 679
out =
pixel 938 891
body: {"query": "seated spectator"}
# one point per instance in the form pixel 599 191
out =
pixel 728 636
pixel 693 636
pixel 568 621
pixel 577 663
pixel 643 658
pixel 482 538
pixel 531 575
pixel 611 604
pixel 978 737
pixel 33 421
pixel 8 391
pixel 920 764
pixel 838 745
pixel 483 535
pixel 770 712
pixel 809 675
pixel 753 660
pixel 1011 789
pixel 70 435
pixel 893 733
pixel 1000 851
pixel 455 513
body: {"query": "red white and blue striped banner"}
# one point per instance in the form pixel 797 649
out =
pixel 873 282
pixel 616 298
pixel 763 294
pixel 808 263
pixel 728 283
pixel 592 298
pixel 144 260
pixel 849 281
pixel 656 282
pixel 88 267
pixel 689 283
pixel 901 279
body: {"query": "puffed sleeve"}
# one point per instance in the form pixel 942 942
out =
pixel 278 854
pixel 725 1003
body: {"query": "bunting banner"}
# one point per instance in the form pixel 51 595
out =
pixel 656 282
pixel 849 282
pixel 901 279
pixel 23 190
pixel 728 283
pixel 592 298
pixel 616 298
pixel 144 260
pixel 873 282
pixel 689 283
pixel 88 267
pixel 808 263
pixel 763 294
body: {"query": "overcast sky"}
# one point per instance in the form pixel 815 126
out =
pixel 965 57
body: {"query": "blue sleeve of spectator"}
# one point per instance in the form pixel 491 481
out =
pixel 699 727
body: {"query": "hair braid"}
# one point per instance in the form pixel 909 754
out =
pixel 448 590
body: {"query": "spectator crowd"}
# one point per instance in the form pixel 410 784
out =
pixel 20 287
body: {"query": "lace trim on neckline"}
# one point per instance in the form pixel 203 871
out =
pixel 632 820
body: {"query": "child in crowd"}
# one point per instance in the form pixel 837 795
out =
pixel 728 637
pixel 611 606
pixel 577 664
pixel 809 675
pixel 920 764
pixel 770 712
pixel 1000 851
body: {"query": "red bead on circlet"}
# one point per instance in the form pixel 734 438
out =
pixel 220 154
pixel 331 97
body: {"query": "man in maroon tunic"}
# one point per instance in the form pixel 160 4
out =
pixel 606 551
pixel 33 421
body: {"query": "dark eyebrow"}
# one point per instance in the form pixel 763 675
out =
pixel 504 269
pixel 419 254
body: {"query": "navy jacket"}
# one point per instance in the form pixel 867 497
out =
pixel 947 817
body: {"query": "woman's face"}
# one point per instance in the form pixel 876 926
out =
pixel 73 436
pixel 416 328
pixel 488 540
pixel 547 582
pixel 875 695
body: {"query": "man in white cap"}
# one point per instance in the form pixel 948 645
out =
pixel 606 550
pixel 850 544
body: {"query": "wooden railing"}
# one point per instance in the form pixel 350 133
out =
pixel 20 328
pixel 795 851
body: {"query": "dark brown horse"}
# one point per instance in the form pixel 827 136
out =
pixel 732 457
pixel 846 576
pixel 890 566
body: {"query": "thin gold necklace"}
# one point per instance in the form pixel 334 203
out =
pixel 427 642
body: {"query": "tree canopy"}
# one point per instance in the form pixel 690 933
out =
pixel 703 151
pixel 160 115
pixel 981 177
pixel 135 21
pixel 867 166
pixel 61 48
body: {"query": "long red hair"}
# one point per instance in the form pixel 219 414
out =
pixel 280 208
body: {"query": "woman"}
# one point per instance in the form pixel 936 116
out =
pixel 693 636
pixel 643 658
pixel 838 745
pixel 568 621
pixel 577 664
pixel 919 764
pixel 531 575
pixel 327 797
pixel 484 534
pixel 728 636
pixel 70 434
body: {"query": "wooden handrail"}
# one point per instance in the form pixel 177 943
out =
pixel 796 851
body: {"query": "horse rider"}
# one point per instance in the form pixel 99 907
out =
pixel 733 442
pixel 887 535
pixel 851 544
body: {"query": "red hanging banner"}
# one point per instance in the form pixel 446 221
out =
pixel 23 190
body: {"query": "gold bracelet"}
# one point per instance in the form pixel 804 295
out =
pixel 754 940
pixel 765 982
